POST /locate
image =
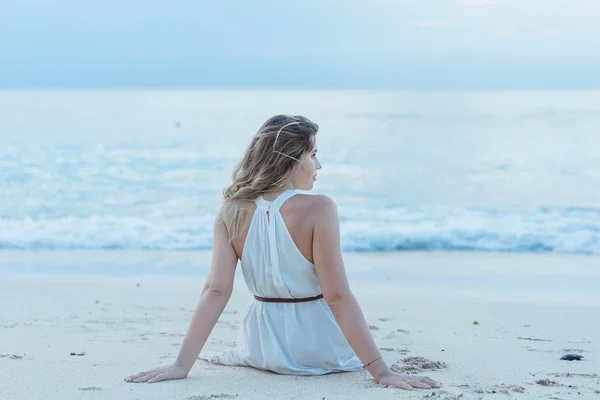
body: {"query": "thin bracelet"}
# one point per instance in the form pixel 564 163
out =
pixel 366 365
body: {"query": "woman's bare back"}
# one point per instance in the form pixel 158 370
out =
pixel 298 214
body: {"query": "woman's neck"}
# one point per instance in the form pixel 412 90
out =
pixel 273 194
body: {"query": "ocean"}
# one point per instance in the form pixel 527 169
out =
pixel 515 171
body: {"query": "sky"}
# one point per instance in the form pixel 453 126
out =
pixel 377 44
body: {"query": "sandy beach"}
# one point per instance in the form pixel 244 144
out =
pixel 74 324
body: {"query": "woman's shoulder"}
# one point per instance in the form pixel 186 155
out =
pixel 228 209
pixel 320 200
pixel 318 204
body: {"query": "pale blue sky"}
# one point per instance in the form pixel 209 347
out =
pixel 308 43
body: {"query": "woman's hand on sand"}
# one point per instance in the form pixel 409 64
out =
pixel 407 382
pixel 168 372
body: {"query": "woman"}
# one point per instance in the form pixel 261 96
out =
pixel 304 319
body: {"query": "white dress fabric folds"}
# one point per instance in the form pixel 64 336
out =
pixel 286 338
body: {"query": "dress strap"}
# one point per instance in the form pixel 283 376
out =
pixel 276 204
pixel 282 198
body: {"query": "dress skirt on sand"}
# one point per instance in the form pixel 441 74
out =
pixel 287 338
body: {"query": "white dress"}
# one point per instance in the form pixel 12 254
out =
pixel 286 338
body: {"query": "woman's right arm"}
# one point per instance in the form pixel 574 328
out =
pixel 329 265
pixel 215 295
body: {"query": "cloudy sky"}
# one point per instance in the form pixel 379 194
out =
pixel 417 44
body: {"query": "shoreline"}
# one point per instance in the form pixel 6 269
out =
pixel 480 273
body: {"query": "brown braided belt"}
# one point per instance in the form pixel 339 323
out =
pixel 301 300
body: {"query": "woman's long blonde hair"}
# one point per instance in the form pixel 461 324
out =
pixel 269 163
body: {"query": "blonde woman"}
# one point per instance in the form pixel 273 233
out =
pixel 304 319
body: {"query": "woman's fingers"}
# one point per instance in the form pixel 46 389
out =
pixel 408 382
pixel 139 374
pixel 428 381
pixel 130 378
pixel 174 371
pixel 146 377
pixel 418 384
pixel 403 385
pixel 159 377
